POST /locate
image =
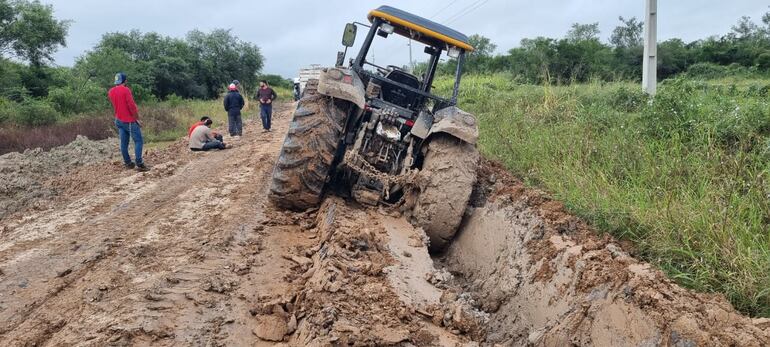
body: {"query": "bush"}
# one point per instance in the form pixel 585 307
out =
pixel 8 109
pixel 68 101
pixel 34 112
pixel 672 111
pixel 707 71
pixel 174 100
pixel 159 118
pixel 763 61
pixel 628 100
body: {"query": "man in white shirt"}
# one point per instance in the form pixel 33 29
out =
pixel 202 138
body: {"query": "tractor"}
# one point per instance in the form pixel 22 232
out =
pixel 380 135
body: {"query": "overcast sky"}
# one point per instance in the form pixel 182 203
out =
pixel 293 34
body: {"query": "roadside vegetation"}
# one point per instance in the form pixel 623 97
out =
pixel 174 80
pixel 684 176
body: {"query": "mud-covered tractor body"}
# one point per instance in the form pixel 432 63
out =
pixel 374 129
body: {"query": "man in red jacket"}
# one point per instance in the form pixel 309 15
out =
pixel 127 122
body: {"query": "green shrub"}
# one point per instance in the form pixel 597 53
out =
pixel 8 109
pixel 625 99
pixel 707 71
pixel 763 61
pixel 174 100
pixel 35 112
pixel 672 111
pixel 88 98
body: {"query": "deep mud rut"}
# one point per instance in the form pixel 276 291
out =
pixel 192 253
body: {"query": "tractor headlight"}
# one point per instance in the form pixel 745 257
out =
pixel 387 28
pixel 453 52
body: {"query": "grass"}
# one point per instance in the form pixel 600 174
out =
pixel 685 177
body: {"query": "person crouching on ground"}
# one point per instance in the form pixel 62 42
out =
pixel 266 96
pixel 127 122
pixel 233 104
pixel 202 138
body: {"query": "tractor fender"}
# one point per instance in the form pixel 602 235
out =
pixel 342 84
pixel 455 122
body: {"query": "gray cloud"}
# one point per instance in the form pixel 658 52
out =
pixel 293 34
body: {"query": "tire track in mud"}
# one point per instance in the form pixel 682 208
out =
pixel 119 257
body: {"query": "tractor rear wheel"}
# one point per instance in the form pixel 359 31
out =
pixel 450 167
pixel 304 163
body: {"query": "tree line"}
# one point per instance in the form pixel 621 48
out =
pixel 581 55
pixel 34 92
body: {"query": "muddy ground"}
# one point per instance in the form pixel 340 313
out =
pixel 191 253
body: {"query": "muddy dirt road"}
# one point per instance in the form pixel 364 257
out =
pixel 191 253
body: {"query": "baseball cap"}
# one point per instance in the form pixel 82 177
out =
pixel 120 78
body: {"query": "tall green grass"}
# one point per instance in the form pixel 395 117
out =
pixel 685 177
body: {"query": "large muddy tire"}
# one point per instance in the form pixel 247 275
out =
pixel 450 167
pixel 304 164
pixel 311 88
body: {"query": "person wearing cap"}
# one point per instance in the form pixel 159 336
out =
pixel 202 138
pixel 233 105
pixel 127 122
pixel 266 95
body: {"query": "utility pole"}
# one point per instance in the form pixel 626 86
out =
pixel 650 63
pixel 411 62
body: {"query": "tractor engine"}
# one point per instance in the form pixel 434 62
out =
pixel 383 145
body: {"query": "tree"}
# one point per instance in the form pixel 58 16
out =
pixel 7 14
pixel 583 32
pixel 745 28
pixel 222 57
pixel 627 35
pixel 30 32
pixel 482 46
pixel 196 67
pixel 479 59
pixel 673 58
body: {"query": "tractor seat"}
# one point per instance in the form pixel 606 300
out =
pixel 396 95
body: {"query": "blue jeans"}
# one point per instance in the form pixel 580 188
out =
pixel 126 132
pixel 266 113
pixel 235 123
pixel 216 143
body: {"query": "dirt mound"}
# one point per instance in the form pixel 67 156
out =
pixel 546 278
pixel 23 175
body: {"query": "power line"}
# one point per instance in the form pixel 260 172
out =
pixel 443 8
pixel 474 8
pixel 463 11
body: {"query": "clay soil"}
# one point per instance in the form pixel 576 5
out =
pixel 191 253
